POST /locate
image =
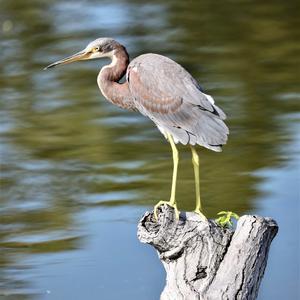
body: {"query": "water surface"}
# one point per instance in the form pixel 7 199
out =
pixel 77 173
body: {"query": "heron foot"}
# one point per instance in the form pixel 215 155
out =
pixel 171 204
pixel 200 214
pixel 225 218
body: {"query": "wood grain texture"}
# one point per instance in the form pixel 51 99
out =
pixel 205 261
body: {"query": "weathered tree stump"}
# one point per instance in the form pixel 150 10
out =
pixel 203 260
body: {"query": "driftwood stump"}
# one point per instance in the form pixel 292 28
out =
pixel 203 260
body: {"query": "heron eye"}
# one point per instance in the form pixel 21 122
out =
pixel 96 49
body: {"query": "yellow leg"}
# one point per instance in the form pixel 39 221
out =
pixel 175 168
pixel 195 160
pixel 172 201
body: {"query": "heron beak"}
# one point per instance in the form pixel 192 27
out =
pixel 75 57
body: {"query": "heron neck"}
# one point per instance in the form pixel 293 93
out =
pixel 109 77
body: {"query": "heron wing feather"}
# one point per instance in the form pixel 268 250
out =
pixel 164 85
pixel 166 93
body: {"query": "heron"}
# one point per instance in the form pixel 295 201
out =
pixel 162 90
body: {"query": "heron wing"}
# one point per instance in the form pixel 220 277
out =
pixel 166 93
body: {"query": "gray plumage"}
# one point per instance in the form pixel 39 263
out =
pixel 166 93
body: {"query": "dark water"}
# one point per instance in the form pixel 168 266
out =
pixel 77 173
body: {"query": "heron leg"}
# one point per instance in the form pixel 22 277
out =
pixel 195 160
pixel 172 201
pixel 175 168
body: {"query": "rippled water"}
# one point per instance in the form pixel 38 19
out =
pixel 77 173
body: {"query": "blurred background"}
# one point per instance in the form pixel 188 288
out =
pixel 77 173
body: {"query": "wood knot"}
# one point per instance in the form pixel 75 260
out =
pixel 200 273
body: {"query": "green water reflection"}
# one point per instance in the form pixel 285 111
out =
pixel 66 152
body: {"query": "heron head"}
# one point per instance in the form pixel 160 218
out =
pixel 102 47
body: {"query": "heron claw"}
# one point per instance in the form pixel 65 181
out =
pixel 201 215
pixel 173 205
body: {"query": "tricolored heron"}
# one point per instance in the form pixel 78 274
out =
pixel 164 91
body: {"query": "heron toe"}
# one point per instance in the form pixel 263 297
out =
pixel 169 203
pixel 200 214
